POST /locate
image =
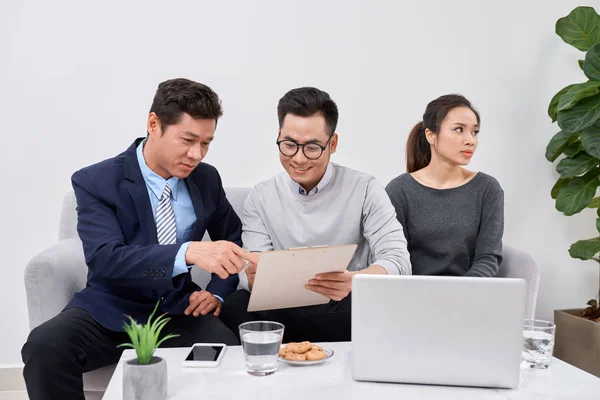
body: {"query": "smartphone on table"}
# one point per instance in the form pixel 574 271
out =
pixel 205 355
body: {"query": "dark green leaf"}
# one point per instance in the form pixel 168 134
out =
pixel 557 144
pixel 583 114
pixel 585 249
pixel 578 92
pixel 578 193
pixel 579 165
pixel 591 67
pixel 598 224
pixel 580 28
pixel 580 62
pixel 553 107
pixel 590 140
pixel 572 149
pixel 595 203
pixel 560 183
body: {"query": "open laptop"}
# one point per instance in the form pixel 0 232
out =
pixel 437 330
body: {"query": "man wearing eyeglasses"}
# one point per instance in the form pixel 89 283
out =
pixel 317 202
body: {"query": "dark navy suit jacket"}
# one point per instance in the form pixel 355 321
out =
pixel 128 270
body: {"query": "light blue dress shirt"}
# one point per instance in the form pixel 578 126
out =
pixel 183 208
pixel 185 217
pixel 320 186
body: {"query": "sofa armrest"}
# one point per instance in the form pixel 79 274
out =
pixel 52 278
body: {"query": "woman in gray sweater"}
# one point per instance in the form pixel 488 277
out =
pixel 453 218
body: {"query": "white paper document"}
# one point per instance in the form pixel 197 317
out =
pixel 282 274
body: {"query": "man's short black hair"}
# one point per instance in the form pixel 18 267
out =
pixel 306 102
pixel 177 96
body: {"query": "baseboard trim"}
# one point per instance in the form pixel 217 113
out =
pixel 11 378
pixel 14 395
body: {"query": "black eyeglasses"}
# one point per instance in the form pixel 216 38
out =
pixel 312 151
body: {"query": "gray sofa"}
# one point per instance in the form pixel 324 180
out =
pixel 54 276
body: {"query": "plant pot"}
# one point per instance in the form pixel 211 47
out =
pixel 577 341
pixel 145 381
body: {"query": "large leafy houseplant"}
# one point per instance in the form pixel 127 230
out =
pixel 576 108
pixel 145 337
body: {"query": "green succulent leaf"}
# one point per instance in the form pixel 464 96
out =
pixel 581 63
pixel 581 28
pixel 591 66
pixel 578 92
pixel 590 140
pixel 578 193
pixel 598 224
pixel 557 144
pixel 585 249
pixel 585 113
pixel 145 337
pixel 560 183
pixel 169 336
pixel 579 165
pixel 553 107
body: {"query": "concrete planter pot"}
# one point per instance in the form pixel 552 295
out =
pixel 577 341
pixel 145 381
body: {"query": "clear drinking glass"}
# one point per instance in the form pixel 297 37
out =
pixel 261 341
pixel 538 343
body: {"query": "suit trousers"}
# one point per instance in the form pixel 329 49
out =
pixel 321 323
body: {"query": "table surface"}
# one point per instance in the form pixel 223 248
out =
pixel 333 380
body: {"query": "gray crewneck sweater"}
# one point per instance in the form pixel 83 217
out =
pixel 352 208
pixel 454 231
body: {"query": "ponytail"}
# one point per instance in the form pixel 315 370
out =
pixel 418 151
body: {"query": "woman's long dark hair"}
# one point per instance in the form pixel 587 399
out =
pixel 418 149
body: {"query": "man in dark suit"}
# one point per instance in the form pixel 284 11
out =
pixel 141 216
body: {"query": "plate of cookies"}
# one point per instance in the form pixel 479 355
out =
pixel 303 353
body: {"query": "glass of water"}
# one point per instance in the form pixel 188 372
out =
pixel 538 343
pixel 261 341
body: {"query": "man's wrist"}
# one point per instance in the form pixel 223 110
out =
pixel 374 269
pixel 187 255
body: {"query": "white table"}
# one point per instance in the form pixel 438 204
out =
pixel 332 380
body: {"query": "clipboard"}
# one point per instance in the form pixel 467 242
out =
pixel 282 274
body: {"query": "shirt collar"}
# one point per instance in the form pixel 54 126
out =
pixel 155 182
pixel 320 186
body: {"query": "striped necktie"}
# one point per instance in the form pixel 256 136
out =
pixel 165 219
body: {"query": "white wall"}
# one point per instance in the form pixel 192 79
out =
pixel 77 79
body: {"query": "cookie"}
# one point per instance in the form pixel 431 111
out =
pixel 315 355
pixel 283 351
pixel 300 348
pixel 295 357
pixel 316 347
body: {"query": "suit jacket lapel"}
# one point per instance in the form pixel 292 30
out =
pixel 198 208
pixel 139 193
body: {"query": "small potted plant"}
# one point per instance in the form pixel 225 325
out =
pixel 145 377
pixel 576 108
